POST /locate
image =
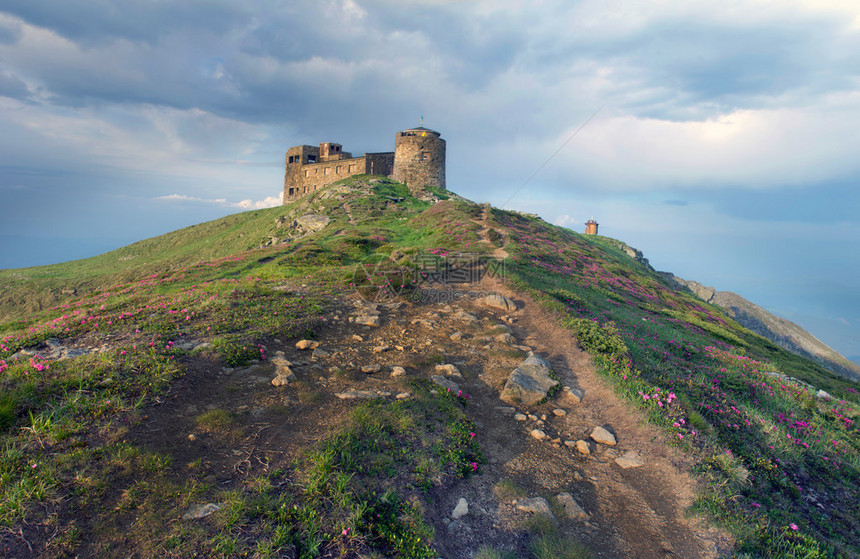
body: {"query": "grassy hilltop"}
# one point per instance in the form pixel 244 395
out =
pixel 780 467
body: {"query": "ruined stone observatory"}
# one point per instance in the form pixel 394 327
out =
pixel 418 160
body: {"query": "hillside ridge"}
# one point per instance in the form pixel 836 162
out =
pixel 372 371
pixel 779 330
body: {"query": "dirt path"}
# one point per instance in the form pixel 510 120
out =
pixel 631 513
pixel 636 512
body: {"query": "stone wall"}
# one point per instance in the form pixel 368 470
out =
pixel 301 177
pixel 419 158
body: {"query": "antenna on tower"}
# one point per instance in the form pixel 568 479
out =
pixel 422 120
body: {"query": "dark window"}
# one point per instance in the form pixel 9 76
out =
pixel 312 159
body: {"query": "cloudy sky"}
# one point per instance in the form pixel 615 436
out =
pixel 722 140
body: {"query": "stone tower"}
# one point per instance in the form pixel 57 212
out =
pixel 419 158
pixel 591 227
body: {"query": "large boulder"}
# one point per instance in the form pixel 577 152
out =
pixel 496 301
pixel 310 223
pixel 529 383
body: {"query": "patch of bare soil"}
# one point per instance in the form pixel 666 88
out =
pixel 637 512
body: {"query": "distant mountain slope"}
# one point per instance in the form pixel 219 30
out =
pixel 779 330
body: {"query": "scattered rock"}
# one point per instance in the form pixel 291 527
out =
pixel 461 510
pixel 529 383
pixel 538 434
pixel 357 338
pixel 570 508
pixel 284 375
pixel 320 353
pixel 445 383
pixel 535 505
pixel 403 396
pixel 602 436
pixel 196 512
pixel 310 223
pixel 506 338
pixel 367 320
pixel 375 368
pixel 359 395
pixel 496 301
pixel 630 459
pixel 307 344
pixel 456 336
pixel 381 348
pixel 449 370
pixel 398 371
pixel 559 412
pixel 574 394
pixel 520 417
pixel 463 316
pixel 823 395
pixel 583 447
pixel 506 410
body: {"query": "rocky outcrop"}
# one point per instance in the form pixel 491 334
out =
pixel 530 383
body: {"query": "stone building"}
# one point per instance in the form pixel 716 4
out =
pixel 418 160
pixel 591 227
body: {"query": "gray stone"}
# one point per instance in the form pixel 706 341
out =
pixel 574 394
pixel 381 348
pixel 535 505
pixel 823 395
pixel 496 301
pixel 445 383
pixel 461 510
pixel 320 353
pixel 375 368
pixel 310 223
pixel 463 316
pixel 506 410
pixel 196 512
pixel 285 375
pixel 602 436
pixel 538 434
pixel 358 395
pixel 367 320
pixel 307 344
pixel 403 396
pixel 506 338
pixel 520 417
pixel 529 383
pixel 583 447
pixel 630 459
pixel 569 507
pixel 398 371
pixel 559 412
pixel 449 371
